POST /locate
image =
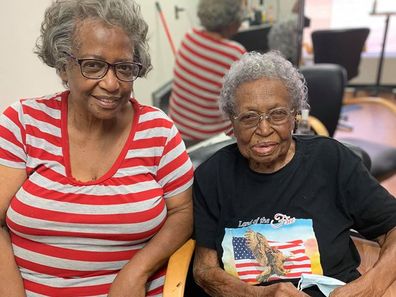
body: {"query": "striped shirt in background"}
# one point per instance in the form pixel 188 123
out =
pixel 71 238
pixel 201 63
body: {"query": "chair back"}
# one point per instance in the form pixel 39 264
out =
pixel 342 46
pixel 326 84
pixel 202 151
pixel 160 97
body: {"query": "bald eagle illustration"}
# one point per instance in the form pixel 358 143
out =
pixel 268 257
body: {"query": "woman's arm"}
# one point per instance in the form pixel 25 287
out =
pixel 131 280
pixel 378 279
pixel 217 283
pixel 11 284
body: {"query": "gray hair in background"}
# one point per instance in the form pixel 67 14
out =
pixel 60 25
pixel 215 15
pixel 253 66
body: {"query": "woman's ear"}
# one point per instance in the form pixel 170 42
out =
pixel 294 123
pixel 63 73
pixel 64 77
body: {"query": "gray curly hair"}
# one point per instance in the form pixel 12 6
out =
pixel 253 66
pixel 215 15
pixel 60 24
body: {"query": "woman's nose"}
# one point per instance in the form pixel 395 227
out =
pixel 263 126
pixel 110 82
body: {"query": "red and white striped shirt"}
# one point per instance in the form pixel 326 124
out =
pixel 71 238
pixel 201 63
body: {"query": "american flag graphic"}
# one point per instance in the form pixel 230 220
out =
pixel 248 268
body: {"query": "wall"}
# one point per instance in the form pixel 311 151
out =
pixel 22 74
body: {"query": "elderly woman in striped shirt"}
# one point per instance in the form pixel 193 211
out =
pixel 96 187
pixel 205 55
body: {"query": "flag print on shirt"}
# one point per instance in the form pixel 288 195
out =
pixel 250 270
pixel 265 249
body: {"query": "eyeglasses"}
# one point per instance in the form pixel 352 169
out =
pixel 97 69
pixel 275 117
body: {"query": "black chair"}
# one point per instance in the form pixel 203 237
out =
pixel 203 150
pixel 254 38
pixel 160 97
pixel 342 46
pixel 325 100
pixel 326 84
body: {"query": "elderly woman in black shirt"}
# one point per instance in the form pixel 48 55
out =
pixel 277 208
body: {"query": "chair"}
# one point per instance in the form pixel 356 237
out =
pixel 254 38
pixel 176 274
pixel 160 97
pixel 325 93
pixel 341 46
pixel 203 150
pixel 326 84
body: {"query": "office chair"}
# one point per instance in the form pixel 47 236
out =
pixel 341 46
pixel 326 85
pixel 254 38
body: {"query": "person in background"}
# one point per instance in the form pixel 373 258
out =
pixel 283 35
pixel 96 187
pixel 201 62
pixel 276 208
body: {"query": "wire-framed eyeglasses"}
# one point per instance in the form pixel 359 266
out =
pixel 275 117
pixel 97 69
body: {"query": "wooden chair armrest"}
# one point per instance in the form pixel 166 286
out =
pixel 371 100
pixel 368 251
pixel 176 273
pixel 318 126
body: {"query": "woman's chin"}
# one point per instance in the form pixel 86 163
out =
pixel 263 164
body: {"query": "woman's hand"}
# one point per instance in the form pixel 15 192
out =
pixel 284 289
pixel 216 282
pixel 375 281
pixel 353 290
pixel 128 284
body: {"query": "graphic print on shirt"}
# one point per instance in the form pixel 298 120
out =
pixel 264 249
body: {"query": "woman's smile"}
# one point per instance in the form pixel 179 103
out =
pixel 264 148
pixel 107 102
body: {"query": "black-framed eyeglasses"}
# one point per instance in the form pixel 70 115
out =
pixel 275 117
pixel 97 69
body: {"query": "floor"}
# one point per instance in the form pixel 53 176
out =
pixel 374 123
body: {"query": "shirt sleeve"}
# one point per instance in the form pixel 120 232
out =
pixel 12 138
pixel 372 207
pixel 206 207
pixel 175 170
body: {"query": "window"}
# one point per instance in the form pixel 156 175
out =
pixel 335 14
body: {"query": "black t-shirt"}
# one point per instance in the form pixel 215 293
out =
pixel 273 227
